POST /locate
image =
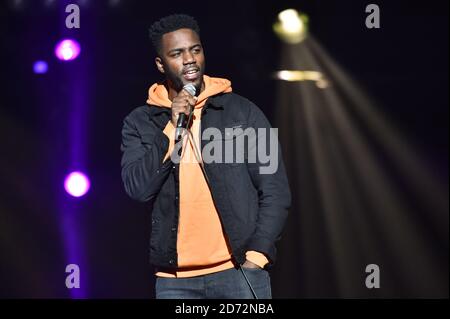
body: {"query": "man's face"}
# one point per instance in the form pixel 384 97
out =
pixel 182 59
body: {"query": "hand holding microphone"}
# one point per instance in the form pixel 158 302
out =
pixel 182 106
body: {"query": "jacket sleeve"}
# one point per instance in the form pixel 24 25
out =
pixel 271 183
pixel 143 170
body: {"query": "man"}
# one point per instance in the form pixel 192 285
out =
pixel 214 223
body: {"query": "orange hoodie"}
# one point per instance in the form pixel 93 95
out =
pixel 201 244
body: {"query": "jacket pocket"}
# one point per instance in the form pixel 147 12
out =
pixel 233 138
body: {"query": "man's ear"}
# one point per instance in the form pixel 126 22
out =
pixel 159 64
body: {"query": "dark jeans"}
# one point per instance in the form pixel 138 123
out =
pixel 227 284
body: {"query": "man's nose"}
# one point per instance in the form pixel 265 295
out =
pixel 188 58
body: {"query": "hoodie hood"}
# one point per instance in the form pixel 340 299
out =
pixel 158 95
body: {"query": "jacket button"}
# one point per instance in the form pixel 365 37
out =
pixel 157 171
pixel 174 229
pixel 173 167
pixel 171 261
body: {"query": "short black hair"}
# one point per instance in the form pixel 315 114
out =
pixel 169 24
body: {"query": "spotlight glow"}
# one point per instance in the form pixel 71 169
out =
pixel 291 26
pixel 67 50
pixel 40 67
pixel 77 184
pixel 291 21
pixel 299 76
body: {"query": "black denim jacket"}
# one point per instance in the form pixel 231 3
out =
pixel 252 206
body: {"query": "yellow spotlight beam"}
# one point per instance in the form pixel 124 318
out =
pixel 298 76
pixel 291 26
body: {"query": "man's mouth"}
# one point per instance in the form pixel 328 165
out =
pixel 191 74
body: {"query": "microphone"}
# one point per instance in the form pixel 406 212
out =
pixel 181 123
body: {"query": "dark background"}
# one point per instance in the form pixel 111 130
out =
pixel 403 66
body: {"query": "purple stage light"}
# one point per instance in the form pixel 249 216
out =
pixel 67 50
pixel 40 67
pixel 77 184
